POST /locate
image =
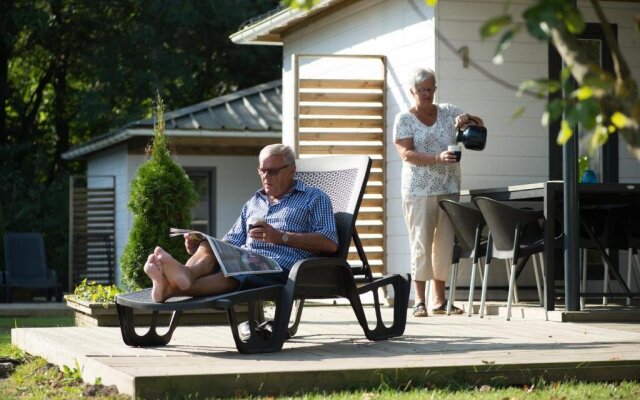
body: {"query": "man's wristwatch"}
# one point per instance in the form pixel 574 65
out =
pixel 285 238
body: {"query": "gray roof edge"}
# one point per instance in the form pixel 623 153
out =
pixel 126 134
pixel 210 103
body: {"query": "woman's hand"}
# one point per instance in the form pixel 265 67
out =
pixel 462 120
pixel 446 157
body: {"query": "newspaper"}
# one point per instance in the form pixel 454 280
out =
pixel 233 260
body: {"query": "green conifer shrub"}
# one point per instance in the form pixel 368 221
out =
pixel 161 197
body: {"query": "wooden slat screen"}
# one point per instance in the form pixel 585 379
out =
pixel 347 116
pixel 92 231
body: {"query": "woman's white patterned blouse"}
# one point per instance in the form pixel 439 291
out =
pixel 440 178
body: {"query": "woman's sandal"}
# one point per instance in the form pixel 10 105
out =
pixel 443 309
pixel 420 310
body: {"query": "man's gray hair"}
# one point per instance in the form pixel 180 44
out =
pixel 422 74
pixel 278 148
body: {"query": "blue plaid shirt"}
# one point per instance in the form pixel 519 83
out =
pixel 304 209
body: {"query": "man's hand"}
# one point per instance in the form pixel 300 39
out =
pixel 191 241
pixel 264 232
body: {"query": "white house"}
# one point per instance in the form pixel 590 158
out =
pixel 382 41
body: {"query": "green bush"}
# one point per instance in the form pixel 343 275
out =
pixel 161 197
pixel 95 293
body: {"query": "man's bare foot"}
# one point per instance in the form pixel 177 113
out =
pixel 159 282
pixel 172 269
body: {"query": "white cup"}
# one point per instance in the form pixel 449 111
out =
pixel 455 149
pixel 253 221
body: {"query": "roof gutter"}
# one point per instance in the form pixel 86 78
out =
pixel 251 33
pixel 264 31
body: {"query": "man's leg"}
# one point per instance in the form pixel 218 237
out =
pixel 161 263
pixel 211 285
pixel 201 263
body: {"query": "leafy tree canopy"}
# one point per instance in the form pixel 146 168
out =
pixel 603 103
pixel 71 70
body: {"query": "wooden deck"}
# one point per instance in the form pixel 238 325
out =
pixel 330 352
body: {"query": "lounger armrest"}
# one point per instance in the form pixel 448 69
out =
pixel 310 263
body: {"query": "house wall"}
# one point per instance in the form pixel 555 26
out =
pixel 404 31
pixel 236 180
pixel 390 28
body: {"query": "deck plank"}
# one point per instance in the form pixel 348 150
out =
pixel 330 352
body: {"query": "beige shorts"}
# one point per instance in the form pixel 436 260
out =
pixel 430 236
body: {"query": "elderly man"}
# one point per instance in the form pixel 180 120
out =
pixel 298 222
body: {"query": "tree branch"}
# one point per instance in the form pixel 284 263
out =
pixel 625 85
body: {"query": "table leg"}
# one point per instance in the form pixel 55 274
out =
pixel 549 246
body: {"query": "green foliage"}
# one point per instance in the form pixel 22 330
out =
pixel 301 4
pixel 96 293
pixel 72 375
pixel 161 197
pixel 599 95
pixel 71 70
pixel 38 380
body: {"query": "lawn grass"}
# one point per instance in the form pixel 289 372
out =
pixel 35 379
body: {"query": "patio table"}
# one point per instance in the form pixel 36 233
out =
pixel 550 192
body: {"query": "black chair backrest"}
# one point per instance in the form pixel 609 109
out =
pixel 343 179
pixel 24 256
pixel 465 219
pixel 503 219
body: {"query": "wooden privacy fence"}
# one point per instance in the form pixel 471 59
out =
pixel 338 114
pixel 91 229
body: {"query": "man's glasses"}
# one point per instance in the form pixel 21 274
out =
pixel 271 171
pixel 426 90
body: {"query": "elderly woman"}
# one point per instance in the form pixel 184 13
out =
pixel 429 174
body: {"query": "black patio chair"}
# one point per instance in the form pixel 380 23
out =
pixel 468 224
pixel 343 178
pixel 26 267
pixel 515 234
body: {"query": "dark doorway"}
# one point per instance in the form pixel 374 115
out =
pixel 605 161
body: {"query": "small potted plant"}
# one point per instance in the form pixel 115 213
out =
pixel 93 304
